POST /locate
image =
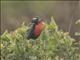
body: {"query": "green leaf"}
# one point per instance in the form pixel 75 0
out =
pixel 77 33
pixel 78 21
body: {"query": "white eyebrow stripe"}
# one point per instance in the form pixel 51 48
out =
pixel 34 18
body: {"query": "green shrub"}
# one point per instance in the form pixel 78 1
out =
pixel 53 44
pixel 78 23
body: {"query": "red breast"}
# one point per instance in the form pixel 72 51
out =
pixel 38 28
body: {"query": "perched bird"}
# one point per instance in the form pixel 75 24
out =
pixel 35 29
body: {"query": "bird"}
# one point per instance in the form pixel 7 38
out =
pixel 36 27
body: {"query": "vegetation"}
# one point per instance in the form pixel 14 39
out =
pixel 53 44
pixel 78 23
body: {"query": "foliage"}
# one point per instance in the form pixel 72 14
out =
pixel 77 22
pixel 53 44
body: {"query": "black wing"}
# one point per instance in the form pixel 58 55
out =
pixel 30 33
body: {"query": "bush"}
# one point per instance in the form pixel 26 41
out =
pixel 78 23
pixel 53 44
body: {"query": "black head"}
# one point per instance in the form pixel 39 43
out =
pixel 36 19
